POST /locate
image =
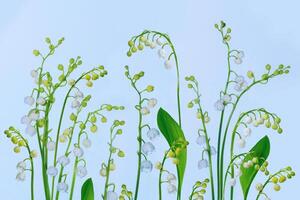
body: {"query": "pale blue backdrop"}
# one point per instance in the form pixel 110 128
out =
pixel 268 32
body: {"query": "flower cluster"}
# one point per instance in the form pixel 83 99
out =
pixel 153 39
pixel 276 179
pixel 199 190
pixel 110 166
pixel 125 193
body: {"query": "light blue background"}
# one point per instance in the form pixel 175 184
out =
pixel 268 32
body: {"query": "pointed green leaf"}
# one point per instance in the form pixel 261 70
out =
pixel 87 190
pixel 172 132
pixel 261 150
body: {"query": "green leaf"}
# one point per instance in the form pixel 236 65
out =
pixel 87 190
pixel 261 150
pixel 172 132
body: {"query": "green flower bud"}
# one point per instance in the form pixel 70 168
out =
pixel 103 120
pixel 133 49
pixel 21 143
pixel 47 40
pixel 277 120
pixel 275 126
pixel 276 187
pixel 60 67
pixel 82 126
pixel 17 149
pixel 93 119
pixel 121 154
pixel 190 105
pixel 265 77
pixel 250 74
pixel 190 85
pixel 279 130
pixel 140 47
pixel 268 67
pixel 268 124
pixel 129 54
pixel 73 117
pixel 130 43
pixel 150 88
pixel 14 140
pixel 36 52
pixel 94 129
pixel 282 179
pixel 274 179
pixel 119 131
pixel 89 84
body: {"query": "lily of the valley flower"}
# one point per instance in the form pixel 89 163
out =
pixel 152 133
pixel 52 171
pixel 62 187
pixel 63 160
pixel 81 171
pixel 148 148
pixel 202 164
pixel 146 166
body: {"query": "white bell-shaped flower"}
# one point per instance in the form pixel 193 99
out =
pixel 240 79
pixel 148 148
pixel 75 104
pixel 248 120
pixel 241 142
pixel 33 116
pixel 79 94
pixel 226 98
pixel 159 42
pixel 152 45
pixel 111 195
pixel 213 150
pixel 162 53
pixel 21 166
pixel 152 102
pixel 33 73
pixel 63 160
pixel 103 172
pixel 152 133
pixel 87 143
pixel 202 164
pixel 247 132
pixel 145 111
pixel 232 182
pixel 41 101
pixel 78 152
pixel 171 188
pixel 30 130
pixel 51 146
pixel 62 187
pixel 219 105
pixel 21 176
pixel 171 177
pixel 52 171
pixel 25 120
pixel 81 171
pixel 146 166
pixel 29 100
pixel 201 140
pixel 238 60
pixel 168 64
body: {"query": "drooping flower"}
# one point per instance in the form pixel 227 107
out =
pixel 87 143
pixel 148 148
pixel 29 100
pixel 75 104
pixel 168 64
pixel 145 111
pixel 30 130
pixel 111 195
pixel 81 171
pixel 21 166
pixel 78 152
pixel 21 176
pixel 25 120
pixel 171 188
pixel 248 120
pixel 162 53
pixel 247 132
pixel 41 101
pixel 146 166
pixel 226 98
pixel 152 133
pixel 201 140
pixel 158 42
pixel 213 150
pixel 33 116
pixel 62 187
pixel 202 164
pixel 232 182
pixel 103 172
pixel 219 105
pixel 241 142
pixel 79 94
pixel 63 160
pixel 152 102
pixel 171 177
pixel 33 73
pixel 51 146
pixel 52 171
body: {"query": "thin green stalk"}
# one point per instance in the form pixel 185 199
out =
pixel 107 171
pixel 160 176
pixel 265 184
pixel 139 148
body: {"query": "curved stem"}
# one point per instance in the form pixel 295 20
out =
pixel 160 176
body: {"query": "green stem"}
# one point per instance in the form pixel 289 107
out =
pixel 107 175
pixel 160 176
